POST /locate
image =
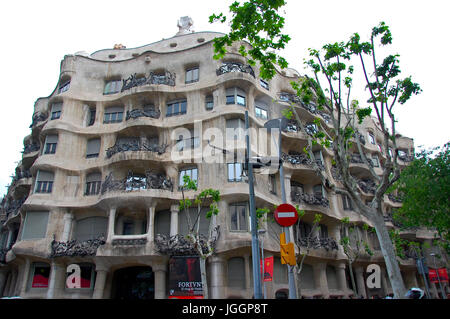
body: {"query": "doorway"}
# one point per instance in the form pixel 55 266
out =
pixel 134 283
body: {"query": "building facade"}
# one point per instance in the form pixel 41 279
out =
pixel 100 179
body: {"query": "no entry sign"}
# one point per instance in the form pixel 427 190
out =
pixel 286 215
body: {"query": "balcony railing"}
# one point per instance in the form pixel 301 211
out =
pixel 154 113
pixel 228 67
pixel 133 182
pixel 367 185
pixel 38 117
pixel 29 148
pixel 310 199
pixel 167 78
pixel 76 248
pixel 135 146
pixel 300 159
pixel 316 242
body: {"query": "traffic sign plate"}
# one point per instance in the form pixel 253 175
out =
pixel 286 215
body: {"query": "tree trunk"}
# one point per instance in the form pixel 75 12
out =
pixel 390 258
pixel 203 275
pixel 350 268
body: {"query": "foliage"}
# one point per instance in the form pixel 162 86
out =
pixel 425 189
pixel 257 22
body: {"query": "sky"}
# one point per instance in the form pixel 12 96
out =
pixel 36 35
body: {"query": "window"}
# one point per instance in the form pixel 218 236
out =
pixel 347 202
pixel 261 110
pixel 375 161
pixel 235 129
pixel 162 222
pixel 264 84
pixel 318 191
pixel 238 216
pixel 304 229
pixel 235 96
pixel 191 172
pixel 93 184
pixel 234 172
pixel 56 111
pixel 87 276
pixel 371 138
pixel 187 142
pixel 380 148
pixel 323 231
pixel 93 148
pixel 176 108
pixel 50 144
pixel 64 87
pixel 391 154
pixel 112 87
pixel 236 272
pixel 273 184
pixel 113 114
pixel 192 75
pixel 44 182
pixel 40 275
pixel 318 157
pixel 209 102
pixel 35 225
pixel 91 228
pixel 297 187
pixel 91 119
pixel 203 221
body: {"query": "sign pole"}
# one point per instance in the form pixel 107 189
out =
pixel 291 278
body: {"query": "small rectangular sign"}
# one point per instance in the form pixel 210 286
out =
pixel 281 215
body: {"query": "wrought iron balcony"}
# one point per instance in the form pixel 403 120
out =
pixel 154 113
pixel 129 241
pixel 310 199
pixel 38 117
pixel 74 247
pixel 180 245
pixel 316 242
pixel 29 148
pixel 367 185
pixel 300 159
pixel 134 81
pixel 133 182
pixel 228 67
pixel 292 126
pixel 135 146
pixel 395 199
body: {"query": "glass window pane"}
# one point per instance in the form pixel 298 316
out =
pixel 183 107
pixel 169 110
pixel 242 218
pixel 234 217
pixel 240 100
pixel 238 170
pixel 231 172
pixel 230 99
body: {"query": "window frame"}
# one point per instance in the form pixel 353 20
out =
pixel 234 212
pixel 64 87
pixel 259 112
pixel 114 86
pixel 235 178
pixel 113 116
pixel 179 103
pixel 190 73
pixel 180 175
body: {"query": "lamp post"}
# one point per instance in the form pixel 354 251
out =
pixel 437 273
pixel 255 251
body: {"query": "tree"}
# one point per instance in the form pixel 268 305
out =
pixel 203 246
pixel 425 191
pixel 353 246
pixel 327 92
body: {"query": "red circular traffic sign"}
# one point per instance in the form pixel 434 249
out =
pixel 286 215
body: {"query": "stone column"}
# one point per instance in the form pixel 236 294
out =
pixel 342 280
pixel 360 281
pixel 174 209
pixel 68 220
pixel 3 276
pixel 217 277
pixel 160 270
pixel 320 278
pixel 100 281
pixel 57 280
pixel 26 274
pixel 111 220
pixel 151 224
